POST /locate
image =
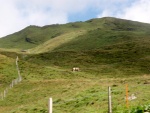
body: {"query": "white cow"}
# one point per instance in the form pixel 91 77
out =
pixel 75 69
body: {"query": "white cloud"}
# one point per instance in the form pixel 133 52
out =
pixel 112 8
pixel 9 17
pixel 105 13
pixel 138 11
pixel 17 14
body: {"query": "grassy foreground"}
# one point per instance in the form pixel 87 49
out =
pixel 72 92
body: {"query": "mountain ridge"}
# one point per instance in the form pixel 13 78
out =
pixel 33 36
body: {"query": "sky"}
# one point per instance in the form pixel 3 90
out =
pixel 18 14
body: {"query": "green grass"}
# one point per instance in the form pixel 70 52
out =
pixel 74 92
pixel 7 71
pixel 100 38
pixel 104 29
pixel 74 95
pixel 55 42
pixel 33 36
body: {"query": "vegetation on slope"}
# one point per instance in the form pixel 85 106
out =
pixel 7 70
pixel 109 51
pixel 55 42
pixel 74 92
pixel 33 36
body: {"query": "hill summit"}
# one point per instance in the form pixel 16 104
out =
pixel 91 34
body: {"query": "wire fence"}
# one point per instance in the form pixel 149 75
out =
pixel 14 82
pixel 138 95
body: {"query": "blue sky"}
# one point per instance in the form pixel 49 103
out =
pixel 18 14
pixel 83 16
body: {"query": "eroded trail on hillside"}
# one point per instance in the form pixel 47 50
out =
pixel 57 41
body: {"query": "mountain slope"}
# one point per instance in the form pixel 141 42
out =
pixel 109 52
pixel 57 41
pixel 116 43
pixel 49 75
pixel 33 36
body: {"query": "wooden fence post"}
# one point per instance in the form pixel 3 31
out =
pixel 109 100
pixel 6 90
pixel 10 86
pixel 4 93
pixel 50 105
pixel 19 76
pixel 127 96
pixel 16 81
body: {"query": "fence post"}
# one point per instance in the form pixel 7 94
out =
pixel 109 100
pixel 16 81
pixel 19 76
pixel 4 93
pixel 10 86
pixel 50 105
pixel 127 96
pixel 6 90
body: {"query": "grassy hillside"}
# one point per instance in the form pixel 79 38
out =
pixel 109 52
pixel 55 42
pixel 72 92
pixel 116 47
pixel 33 36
